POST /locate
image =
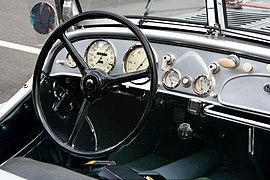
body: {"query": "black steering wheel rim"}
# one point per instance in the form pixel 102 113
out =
pixel 152 70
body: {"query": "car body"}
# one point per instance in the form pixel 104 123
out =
pixel 174 93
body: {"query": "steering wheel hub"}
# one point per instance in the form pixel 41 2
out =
pixel 91 83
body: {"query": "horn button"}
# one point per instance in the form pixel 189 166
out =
pixel 91 85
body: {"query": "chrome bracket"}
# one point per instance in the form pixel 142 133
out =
pixel 251 133
pixel 195 106
pixel 214 31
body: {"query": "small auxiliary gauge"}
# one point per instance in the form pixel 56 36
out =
pixel 202 85
pixel 171 78
pixel 70 62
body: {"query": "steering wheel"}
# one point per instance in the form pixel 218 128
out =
pixel 94 83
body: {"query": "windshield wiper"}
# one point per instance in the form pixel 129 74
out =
pixel 146 12
pixel 147 7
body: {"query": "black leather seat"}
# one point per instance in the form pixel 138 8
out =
pixel 32 170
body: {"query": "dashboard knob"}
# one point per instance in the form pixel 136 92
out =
pixel 184 131
pixel 268 68
pixel 247 67
pixel 231 61
pixel 186 81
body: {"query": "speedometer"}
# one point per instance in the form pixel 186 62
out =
pixel 100 54
pixel 135 60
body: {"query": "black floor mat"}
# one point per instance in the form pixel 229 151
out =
pixel 192 166
pixel 149 162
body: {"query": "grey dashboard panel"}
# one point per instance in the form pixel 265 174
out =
pixel 246 92
pixel 232 87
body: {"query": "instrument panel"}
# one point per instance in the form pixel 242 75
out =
pixel 105 55
pixel 182 71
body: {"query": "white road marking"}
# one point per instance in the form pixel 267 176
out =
pixel 19 47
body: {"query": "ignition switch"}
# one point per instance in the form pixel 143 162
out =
pixel 266 87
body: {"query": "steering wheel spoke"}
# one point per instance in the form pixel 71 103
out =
pixel 81 118
pixel 122 78
pixel 74 53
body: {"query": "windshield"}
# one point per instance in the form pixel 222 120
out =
pixel 187 10
pixel 252 15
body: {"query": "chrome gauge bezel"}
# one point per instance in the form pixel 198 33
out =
pixel 91 44
pixel 166 74
pixel 204 93
pixel 125 59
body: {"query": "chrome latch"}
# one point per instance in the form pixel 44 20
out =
pixel 195 106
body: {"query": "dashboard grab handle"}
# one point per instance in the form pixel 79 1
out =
pixel 208 111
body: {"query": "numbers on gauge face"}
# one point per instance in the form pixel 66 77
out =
pixel 100 54
pixel 135 60
pixel 202 85
pixel 171 78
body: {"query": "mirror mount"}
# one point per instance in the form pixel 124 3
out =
pixel 70 9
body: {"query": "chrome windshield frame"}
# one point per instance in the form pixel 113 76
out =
pixel 216 20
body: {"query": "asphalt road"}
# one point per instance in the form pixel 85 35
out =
pixel 16 66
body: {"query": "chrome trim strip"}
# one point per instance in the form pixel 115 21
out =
pixel 207 111
pixel 247 35
pixel 16 99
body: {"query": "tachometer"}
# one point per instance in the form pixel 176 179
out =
pixel 135 60
pixel 100 54
pixel 202 85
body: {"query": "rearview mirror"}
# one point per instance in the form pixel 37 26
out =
pixel 43 18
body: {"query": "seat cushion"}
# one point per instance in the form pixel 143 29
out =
pixel 32 169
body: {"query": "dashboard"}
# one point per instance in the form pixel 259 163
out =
pixel 214 71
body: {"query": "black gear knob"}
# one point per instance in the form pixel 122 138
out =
pixel 184 131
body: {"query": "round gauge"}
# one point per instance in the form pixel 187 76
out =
pixel 135 60
pixel 202 85
pixel 70 62
pixel 171 78
pixel 100 54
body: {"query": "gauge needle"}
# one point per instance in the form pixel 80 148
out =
pixel 100 60
pixel 141 64
pixel 170 77
pixel 201 84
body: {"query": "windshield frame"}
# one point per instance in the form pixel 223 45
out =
pixel 228 30
pixel 216 15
